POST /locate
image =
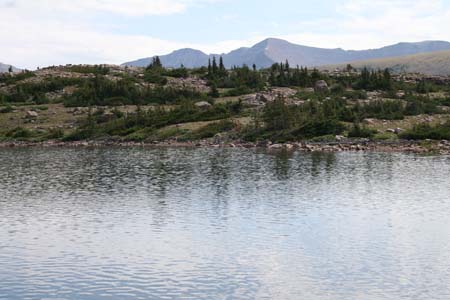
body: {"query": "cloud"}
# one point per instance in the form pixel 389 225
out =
pixel 52 32
pixel 46 32
pixel 363 24
pixel 54 42
pixel 119 7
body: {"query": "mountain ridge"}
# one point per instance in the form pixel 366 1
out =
pixel 432 63
pixel 272 50
pixel 4 68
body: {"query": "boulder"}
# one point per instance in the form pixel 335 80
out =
pixel 400 94
pixel 203 105
pixel 398 130
pixel 369 121
pixel 32 114
pixel 321 86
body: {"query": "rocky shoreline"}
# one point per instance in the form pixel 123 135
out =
pixel 419 147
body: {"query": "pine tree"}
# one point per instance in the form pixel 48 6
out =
pixel 10 69
pixel 209 67
pixel 214 66
pixel 387 83
pixel 221 65
pixel 157 62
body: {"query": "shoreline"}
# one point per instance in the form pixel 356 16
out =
pixel 402 146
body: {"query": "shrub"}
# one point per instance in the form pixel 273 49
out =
pixel 19 132
pixel 318 127
pixel 212 129
pixel 154 77
pixel 6 109
pixel 426 131
pixel 358 131
pixel 79 135
pixel 242 90
pixel 55 133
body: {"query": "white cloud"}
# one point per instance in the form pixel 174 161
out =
pixel 363 24
pixel 51 32
pixel 120 7
pixel 44 32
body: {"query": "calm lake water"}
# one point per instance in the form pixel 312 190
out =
pixel 222 224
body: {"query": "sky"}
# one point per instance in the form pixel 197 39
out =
pixel 38 33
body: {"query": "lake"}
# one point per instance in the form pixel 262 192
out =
pixel 135 223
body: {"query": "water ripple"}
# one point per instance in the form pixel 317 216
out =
pixel 222 224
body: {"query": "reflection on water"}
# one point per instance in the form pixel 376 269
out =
pixel 222 224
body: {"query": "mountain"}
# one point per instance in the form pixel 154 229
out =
pixel 190 58
pixel 434 63
pixel 5 68
pixel 269 51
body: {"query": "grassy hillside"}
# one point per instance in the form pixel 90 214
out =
pixel 280 104
pixel 435 63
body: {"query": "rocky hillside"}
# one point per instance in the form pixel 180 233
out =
pixel 435 63
pixel 116 104
pixel 269 51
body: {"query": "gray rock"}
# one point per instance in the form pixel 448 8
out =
pixel 203 105
pixel 321 86
pixel 31 114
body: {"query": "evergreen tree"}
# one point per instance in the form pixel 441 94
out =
pixel 387 80
pixel 157 62
pixel 209 67
pixel 221 65
pixel 214 66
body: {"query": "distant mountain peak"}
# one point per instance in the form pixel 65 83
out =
pixel 189 50
pixel 271 50
pixel 4 68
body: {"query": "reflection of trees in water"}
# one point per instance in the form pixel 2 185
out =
pixel 168 178
pixel 282 164
pixel 219 171
pixel 218 175
pixel 322 161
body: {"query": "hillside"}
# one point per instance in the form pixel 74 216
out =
pixel 270 51
pixel 435 63
pixel 114 104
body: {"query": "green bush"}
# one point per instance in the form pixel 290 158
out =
pixel 212 129
pixel 358 131
pixel 426 131
pixel 79 135
pixel 153 77
pixel 318 127
pixel 19 132
pixel 6 109
pixel 242 90
pixel 55 133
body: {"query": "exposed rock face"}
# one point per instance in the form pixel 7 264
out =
pixel 260 99
pixel 194 83
pixel 321 86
